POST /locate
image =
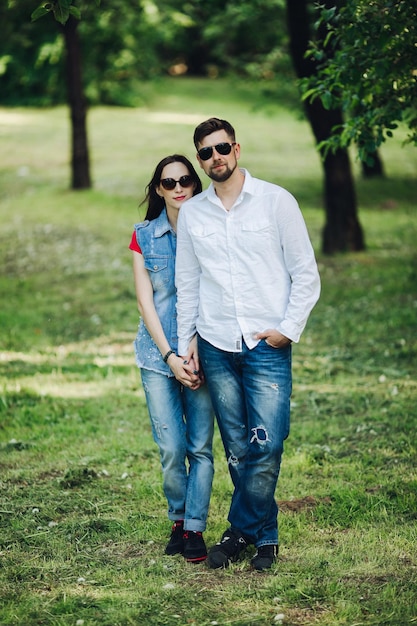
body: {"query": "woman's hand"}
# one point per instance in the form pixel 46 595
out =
pixel 191 364
pixel 184 372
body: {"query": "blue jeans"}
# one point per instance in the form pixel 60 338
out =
pixel 250 392
pixel 182 425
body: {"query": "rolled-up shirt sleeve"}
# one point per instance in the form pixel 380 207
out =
pixel 302 269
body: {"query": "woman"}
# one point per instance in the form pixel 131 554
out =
pixel 178 404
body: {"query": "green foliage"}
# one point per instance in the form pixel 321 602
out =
pixel 124 42
pixel 218 37
pixel 365 54
pixel 83 520
pixel 31 53
pixel 61 10
pixel 118 50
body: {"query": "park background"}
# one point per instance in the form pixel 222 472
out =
pixel 82 515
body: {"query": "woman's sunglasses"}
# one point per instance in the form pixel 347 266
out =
pixel 222 148
pixel 170 183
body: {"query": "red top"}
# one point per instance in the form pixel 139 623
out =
pixel 134 244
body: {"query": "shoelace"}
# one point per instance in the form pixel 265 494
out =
pixel 196 533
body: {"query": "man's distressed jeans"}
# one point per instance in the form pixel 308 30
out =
pixel 250 392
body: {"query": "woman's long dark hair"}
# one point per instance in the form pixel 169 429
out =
pixel 155 202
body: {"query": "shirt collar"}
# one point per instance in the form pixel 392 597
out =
pixel 248 187
pixel 249 183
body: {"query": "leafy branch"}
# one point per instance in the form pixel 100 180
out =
pixel 366 65
pixel 61 10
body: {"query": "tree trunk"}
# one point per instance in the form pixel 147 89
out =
pixel 376 170
pixel 80 162
pixel 342 231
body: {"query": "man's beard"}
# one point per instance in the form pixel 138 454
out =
pixel 221 178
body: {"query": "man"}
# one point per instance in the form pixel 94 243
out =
pixel 247 281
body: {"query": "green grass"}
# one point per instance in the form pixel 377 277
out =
pixel 82 516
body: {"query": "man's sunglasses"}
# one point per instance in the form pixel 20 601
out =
pixel 170 183
pixel 222 148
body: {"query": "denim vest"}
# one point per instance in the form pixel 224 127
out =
pixel 158 243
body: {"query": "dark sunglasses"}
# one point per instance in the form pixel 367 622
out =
pixel 170 183
pixel 222 148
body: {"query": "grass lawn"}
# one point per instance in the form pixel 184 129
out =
pixel 83 520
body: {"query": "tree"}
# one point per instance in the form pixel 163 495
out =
pixel 68 15
pixel 366 65
pixel 110 40
pixel 342 231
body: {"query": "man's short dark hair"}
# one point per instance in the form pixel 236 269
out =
pixel 211 126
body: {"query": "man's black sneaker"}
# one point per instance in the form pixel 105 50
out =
pixel 227 550
pixel 176 542
pixel 195 550
pixel 264 557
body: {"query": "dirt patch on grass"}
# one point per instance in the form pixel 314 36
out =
pixel 301 504
pixel 305 616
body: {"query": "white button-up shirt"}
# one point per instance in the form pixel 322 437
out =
pixel 243 271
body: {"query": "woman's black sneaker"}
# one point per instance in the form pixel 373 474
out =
pixel 195 550
pixel 176 542
pixel 265 557
pixel 228 550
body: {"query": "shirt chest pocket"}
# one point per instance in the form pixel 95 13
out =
pixel 257 237
pixel 160 270
pixel 206 240
pixel 263 228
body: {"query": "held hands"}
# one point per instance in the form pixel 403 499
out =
pixel 184 371
pixel 273 338
pixel 186 368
